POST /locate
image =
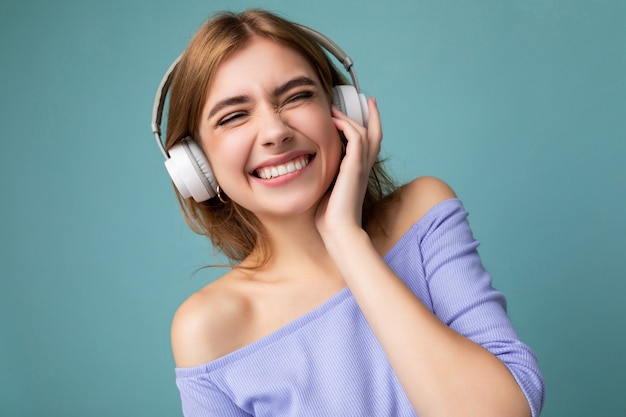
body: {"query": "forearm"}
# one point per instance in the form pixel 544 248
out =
pixel 442 372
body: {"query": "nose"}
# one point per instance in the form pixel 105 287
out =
pixel 273 128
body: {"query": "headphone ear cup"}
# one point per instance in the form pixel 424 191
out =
pixel 190 171
pixel 347 99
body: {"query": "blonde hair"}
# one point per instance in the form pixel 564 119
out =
pixel 231 228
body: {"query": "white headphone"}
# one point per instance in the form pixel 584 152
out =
pixel 186 162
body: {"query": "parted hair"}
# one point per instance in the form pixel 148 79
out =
pixel 232 229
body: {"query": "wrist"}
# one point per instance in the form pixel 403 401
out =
pixel 344 243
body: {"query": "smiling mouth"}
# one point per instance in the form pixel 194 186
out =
pixel 274 171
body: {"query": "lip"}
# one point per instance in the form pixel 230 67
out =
pixel 280 160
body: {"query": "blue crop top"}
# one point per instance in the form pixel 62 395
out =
pixel 328 362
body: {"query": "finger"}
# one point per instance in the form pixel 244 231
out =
pixel 336 113
pixel 355 135
pixel 350 126
pixel 374 128
pixel 373 134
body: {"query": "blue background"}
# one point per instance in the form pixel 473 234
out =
pixel 519 105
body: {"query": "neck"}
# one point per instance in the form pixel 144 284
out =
pixel 296 247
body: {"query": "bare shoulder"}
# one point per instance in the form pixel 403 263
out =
pixel 412 201
pixel 208 324
pixel 420 195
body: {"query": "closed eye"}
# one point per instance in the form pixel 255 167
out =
pixel 230 118
pixel 305 95
pixel 302 96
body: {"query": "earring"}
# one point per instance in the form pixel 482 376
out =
pixel 219 194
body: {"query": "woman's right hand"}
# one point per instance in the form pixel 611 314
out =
pixel 340 210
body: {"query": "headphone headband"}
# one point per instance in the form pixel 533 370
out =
pixel 159 103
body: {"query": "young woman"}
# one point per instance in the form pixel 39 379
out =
pixel 347 296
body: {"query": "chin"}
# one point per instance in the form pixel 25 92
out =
pixel 292 207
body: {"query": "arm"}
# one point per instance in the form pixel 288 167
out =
pixel 460 293
pixel 442 372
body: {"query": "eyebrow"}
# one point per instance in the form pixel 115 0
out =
pixel 296 82
pixel 231 101
pixel 278 91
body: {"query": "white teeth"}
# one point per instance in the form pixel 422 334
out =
pixel 278 170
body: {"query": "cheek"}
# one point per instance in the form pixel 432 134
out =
pixel 333 138
pixel 316 123
pixel 330 139
pixel 226 157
